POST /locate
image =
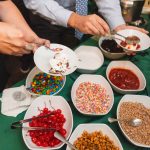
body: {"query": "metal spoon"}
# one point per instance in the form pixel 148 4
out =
pixel 129 39
pixel 61 138
pixel 133 122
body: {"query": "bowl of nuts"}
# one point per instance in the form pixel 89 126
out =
pixel 83 135
pixel 135 106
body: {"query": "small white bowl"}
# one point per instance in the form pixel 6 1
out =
pixel 107 54
pixel 145 100
pixel 58 102
pixel 144 39
pixel 30 77
pixel 130 66
pixel 90 59
pixel 106 130
pixel 98 79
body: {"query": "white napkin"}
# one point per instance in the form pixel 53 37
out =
pixel 14 101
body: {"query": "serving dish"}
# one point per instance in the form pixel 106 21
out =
pixel 90 59
pixel 57 61
pixel 96 79
pixel 144 39
pixel 145 100
pixel 107 54
pixel 35 71
pixel 130 66
pixel 106 130
pixel 56 102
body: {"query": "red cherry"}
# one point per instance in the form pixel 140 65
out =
pixel 34 139
pixel 58 111
pixel 62 131
pixel 38 143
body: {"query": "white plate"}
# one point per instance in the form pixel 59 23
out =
pixel 98 79
pixel 91 59
pixel 144 38
pixel 127 65
pixel 57 102
pixel 32 74
pixel 106 130
pixel 43 55
pixel 145 100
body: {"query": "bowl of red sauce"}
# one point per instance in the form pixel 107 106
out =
pixel 125 77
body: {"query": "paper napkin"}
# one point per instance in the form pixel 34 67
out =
pixel 14 101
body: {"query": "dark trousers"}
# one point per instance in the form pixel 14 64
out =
pixel 3 73
pixel 54 33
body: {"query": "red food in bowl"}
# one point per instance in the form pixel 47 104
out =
pixel 45 138
pixel 133 46
pixel 124 79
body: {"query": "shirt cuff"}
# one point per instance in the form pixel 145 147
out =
pixel 62 17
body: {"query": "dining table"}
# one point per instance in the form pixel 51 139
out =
pixel 13 140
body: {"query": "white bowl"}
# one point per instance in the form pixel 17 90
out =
pixel 106 130
pixel 30 77
pixel 91 59
pixel 58 102
pixel 144 38
pixel 43 55
pixel 130 66
pixel 145 100
pixel 98 79
pixel 107 54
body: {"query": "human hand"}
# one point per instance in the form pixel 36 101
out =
pixel 12 41
pixel 90 24
pixel 33 40
pixel 122 27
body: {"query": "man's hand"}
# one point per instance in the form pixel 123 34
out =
pixel 90 24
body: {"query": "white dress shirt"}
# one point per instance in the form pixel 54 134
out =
pixel 59 11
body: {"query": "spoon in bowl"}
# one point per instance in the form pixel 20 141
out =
pixel 61 138
pixel 133 122
pixel 129 39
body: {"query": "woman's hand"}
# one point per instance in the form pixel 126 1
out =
pixel 14 41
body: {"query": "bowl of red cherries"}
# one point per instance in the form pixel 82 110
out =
pixel 49 114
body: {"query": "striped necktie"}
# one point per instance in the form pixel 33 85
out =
pixel 81 9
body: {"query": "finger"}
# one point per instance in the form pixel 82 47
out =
pixel 103 24
pixel 19 50
pixel 142 30
pixel 18 55
pixel 47 43
pixel 98 27
pixel 91 29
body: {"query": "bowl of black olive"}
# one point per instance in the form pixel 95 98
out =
pixel 110 48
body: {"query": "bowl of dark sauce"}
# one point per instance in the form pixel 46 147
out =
pixel 110 48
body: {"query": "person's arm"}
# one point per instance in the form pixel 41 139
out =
pixel 50 10
pixel 10 14
pixel 111 11
pixel 16 37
